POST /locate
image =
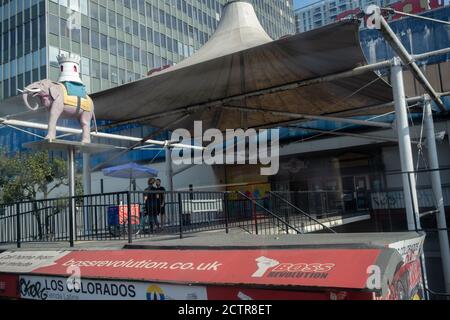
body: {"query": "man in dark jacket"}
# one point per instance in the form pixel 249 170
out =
pixel 150 215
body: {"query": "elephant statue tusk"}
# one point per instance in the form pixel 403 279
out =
pixel 21 91
pixel 33 90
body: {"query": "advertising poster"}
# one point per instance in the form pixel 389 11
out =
pixel 407 284
pixel 58 288
pixel 27 261
pixel 310 268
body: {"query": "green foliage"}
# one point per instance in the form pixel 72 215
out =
pixel 24 176
pixel 79 190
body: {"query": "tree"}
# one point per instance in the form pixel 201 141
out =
pixel 25 175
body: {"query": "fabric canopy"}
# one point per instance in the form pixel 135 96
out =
pixel 130 171
pixel 240 59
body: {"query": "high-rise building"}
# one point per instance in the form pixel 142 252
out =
pixel 324 12
pixel 118 40
pixel 321 13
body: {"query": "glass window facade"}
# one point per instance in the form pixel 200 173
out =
pixel 121 40
pixel 118 40
pixel 23 43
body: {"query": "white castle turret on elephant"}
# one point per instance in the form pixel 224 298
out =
pixel 66 97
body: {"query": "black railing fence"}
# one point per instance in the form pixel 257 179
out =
pixel 305 222
pixel 133 215
pixel 138 215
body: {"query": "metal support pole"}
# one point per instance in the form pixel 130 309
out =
pixel 18 231
pixel 409 62
pixel 225 210
pixel 437 191
pixel 87 185
pixel 180 214
pixel 129 219
pixel 255 217
pixel 169 169
pixel 71 174
pixel 404 142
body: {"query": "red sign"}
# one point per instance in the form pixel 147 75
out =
pixel 406 6
pixel 9 286
pixel 347 13
pixel 415 6
pixel 337 268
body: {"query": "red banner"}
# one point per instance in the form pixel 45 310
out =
pixel 337 268
pixel 406 6
pixel 415 6
pixel 9 284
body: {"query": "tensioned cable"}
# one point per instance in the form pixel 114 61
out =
pixel 390 10
pixel 420 154
pixel 22 113
pixel 348 126
pixel 420 142
pixel 363 87
pixel 356 91
pixel 25 131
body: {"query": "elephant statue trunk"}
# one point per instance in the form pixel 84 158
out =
pixel 25 96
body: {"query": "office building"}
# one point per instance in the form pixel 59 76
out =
pixel 324 12
pixel 119 40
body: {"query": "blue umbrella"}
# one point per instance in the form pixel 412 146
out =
pixel 130 171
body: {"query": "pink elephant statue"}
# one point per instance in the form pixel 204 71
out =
pixel 53 95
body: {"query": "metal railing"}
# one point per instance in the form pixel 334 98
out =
pixel 296 216
pixel 134 215
pixel 266 221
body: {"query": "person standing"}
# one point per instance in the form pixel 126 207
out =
pixel 160 202
pixel 151 211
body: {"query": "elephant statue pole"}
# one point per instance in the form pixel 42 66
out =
pixel 67 98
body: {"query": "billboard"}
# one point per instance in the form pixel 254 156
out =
pixel 406 6
pixel 407 283
pixel 295 267
pixel 59 288
pixel 415 6
pixel 312 273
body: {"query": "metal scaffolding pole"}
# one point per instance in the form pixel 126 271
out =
pixel 410 63
pixel 29 124
pixel 87 190
pixel 71 175
pixel 169 169
pixel 87 184
pixel 404 141
pixel 437 191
